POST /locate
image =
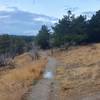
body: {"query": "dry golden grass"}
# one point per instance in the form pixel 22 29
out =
pixel 14 83
pixel 83 55
pixel 80 72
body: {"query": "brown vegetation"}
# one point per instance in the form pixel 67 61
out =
pixel 79 75
pixel 15 82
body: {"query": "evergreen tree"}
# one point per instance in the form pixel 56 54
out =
pixel 94 28
pixel 43 37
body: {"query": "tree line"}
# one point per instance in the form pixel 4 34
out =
pixel 11 45
pixel 70 30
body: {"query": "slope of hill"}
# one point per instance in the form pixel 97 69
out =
pixel 15 82
pixel 79 73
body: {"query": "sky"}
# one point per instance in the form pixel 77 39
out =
pixel 25 17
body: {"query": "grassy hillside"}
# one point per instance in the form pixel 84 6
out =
pixel 15 82
pixel 79 73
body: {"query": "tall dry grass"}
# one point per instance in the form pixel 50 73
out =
pixel 80 72
pixel 14 83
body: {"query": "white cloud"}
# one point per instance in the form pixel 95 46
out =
pixel 46 20
pixel 89 14
pixel 15 21
pixel 3 7
pixel 7 8
pixel 54 21
pixel 5 16
pixel 41 19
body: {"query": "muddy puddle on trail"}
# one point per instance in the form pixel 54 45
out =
pixel 48 75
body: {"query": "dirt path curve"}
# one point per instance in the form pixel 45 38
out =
pixel 46 88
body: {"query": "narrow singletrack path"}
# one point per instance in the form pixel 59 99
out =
pixel 46 88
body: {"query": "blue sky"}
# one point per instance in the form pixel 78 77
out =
pixel 54 8
pixel 26 16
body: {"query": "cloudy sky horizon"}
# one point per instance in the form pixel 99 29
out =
pixel 25 17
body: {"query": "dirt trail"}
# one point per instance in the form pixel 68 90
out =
pixel 46 88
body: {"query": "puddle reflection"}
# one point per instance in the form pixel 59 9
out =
pixel 48 75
